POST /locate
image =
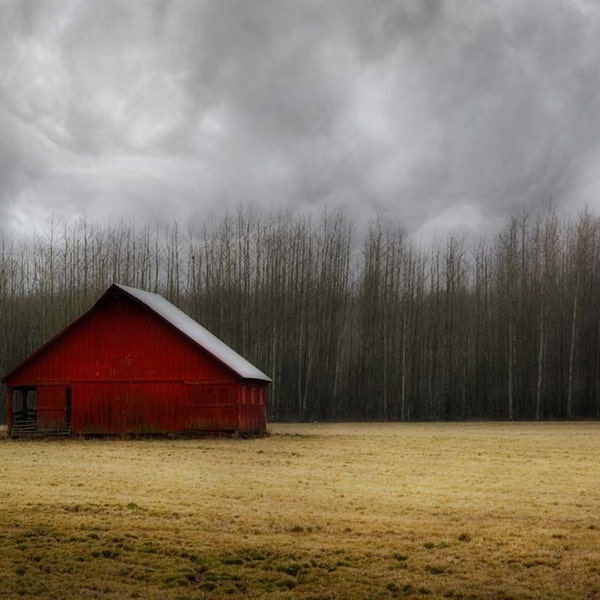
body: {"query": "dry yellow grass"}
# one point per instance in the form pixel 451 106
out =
pixel 315 511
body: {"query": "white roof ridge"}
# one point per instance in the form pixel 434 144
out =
pixel 194 331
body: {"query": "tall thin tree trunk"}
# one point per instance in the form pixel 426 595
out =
pixel 403 392
pixel 510 370
pixel 384 407
pixel 571 355
pixel 598 373
pixel 300 365
pixel 540 373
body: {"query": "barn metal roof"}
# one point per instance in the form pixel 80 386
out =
pixel 193 330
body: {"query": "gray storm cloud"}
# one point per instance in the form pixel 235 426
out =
pixel 436 113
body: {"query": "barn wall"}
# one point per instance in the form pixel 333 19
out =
pixel 127 407
pixel 51 407
pixel 252 408
pixel 121 341
pixel 212 407
pixel 158 407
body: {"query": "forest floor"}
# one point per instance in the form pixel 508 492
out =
pixel 317 511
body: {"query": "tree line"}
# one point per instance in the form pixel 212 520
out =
pixel 351 323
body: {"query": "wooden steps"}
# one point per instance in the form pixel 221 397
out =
pixel 23 430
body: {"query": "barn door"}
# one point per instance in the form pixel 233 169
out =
pixel 53 408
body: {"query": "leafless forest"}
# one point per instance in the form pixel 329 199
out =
pixel 351 323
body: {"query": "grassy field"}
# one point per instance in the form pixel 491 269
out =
pixel 315 511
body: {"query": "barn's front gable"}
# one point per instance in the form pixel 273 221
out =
pixel 127 366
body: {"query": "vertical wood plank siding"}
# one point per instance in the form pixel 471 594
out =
pixel 51 407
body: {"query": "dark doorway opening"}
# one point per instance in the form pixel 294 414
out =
pixel 24 405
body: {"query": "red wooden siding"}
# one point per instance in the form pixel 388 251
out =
pixel 51 407
pixel 211 407
pixel 122 341
pixel 253 408
pixel 127 407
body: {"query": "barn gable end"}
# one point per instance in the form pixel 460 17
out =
pixel 134 363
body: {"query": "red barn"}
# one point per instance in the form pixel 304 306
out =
pixel 135 364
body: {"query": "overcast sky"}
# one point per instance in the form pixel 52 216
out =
pixel 436 113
